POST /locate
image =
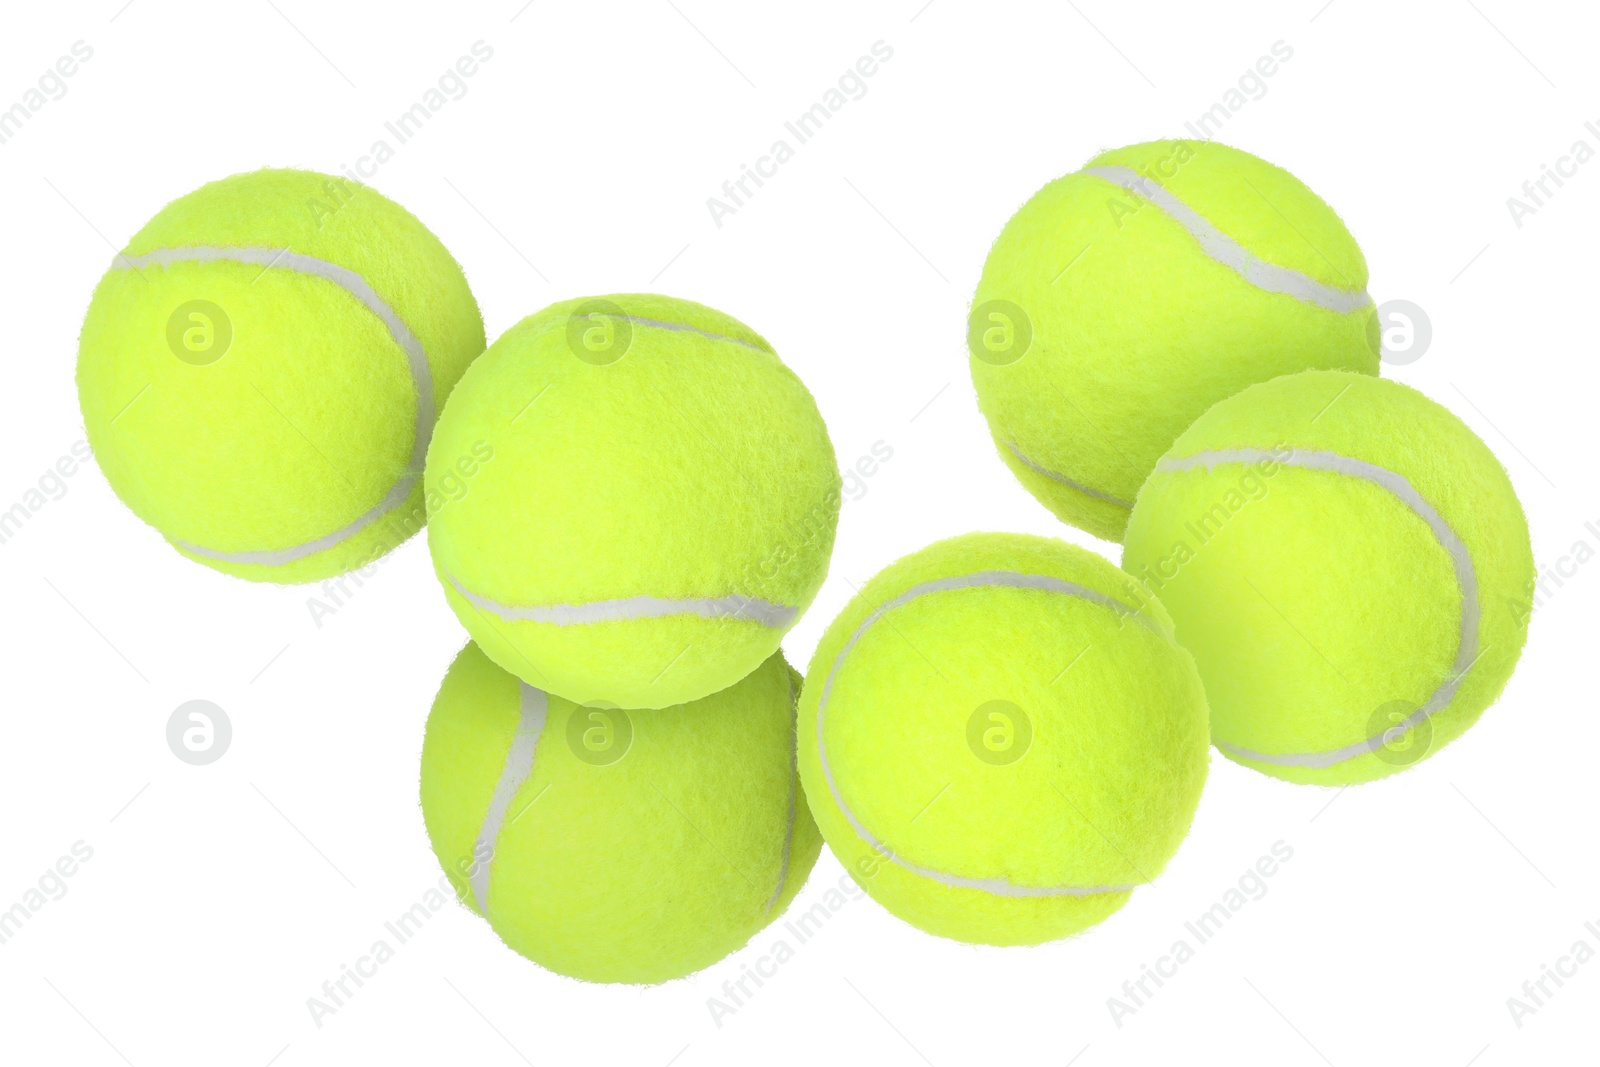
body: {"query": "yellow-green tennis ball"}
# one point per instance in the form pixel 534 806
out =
pixel 1122 301
pixel 1350 567
pixel 633 500
pixel 617 846
pixel 1000 739
pixel 261 368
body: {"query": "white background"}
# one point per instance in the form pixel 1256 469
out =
pixel 579 161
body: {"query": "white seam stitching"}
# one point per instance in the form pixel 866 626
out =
pixel 1010 579
pixel 788 833
pixel 1230 253
pixel 533 708
pixel 1455 548
pixel 1064 480
pixel 416 359
pixel 733 606
pixel 557 325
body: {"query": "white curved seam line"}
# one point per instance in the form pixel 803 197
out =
pixel 533 708
pixel 560 325
pixel 980 579
pixel 679 327
pixel 277 557
pixel 1461 563
pixel 1230 253
pixel 1064 480
pixel 794 770
pixel 732 606
pixel 416 360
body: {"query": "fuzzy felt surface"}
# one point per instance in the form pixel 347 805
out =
pixel 309 417
pixel 1316 602
pixel 1135 331
pixel 640 870
pixel 1106 784
pixel 691 467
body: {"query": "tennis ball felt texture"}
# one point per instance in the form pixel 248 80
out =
pixel 617 846
pixel 637 500
pixel 1000 739
pixel 261 367
pixel 1122 301
pixel 1350 567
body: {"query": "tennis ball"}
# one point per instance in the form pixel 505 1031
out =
pixel 617 846
pixel 1122 301
pixel 260 368
pixel 1000 740
pixel 637 500
pixel 1350 567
